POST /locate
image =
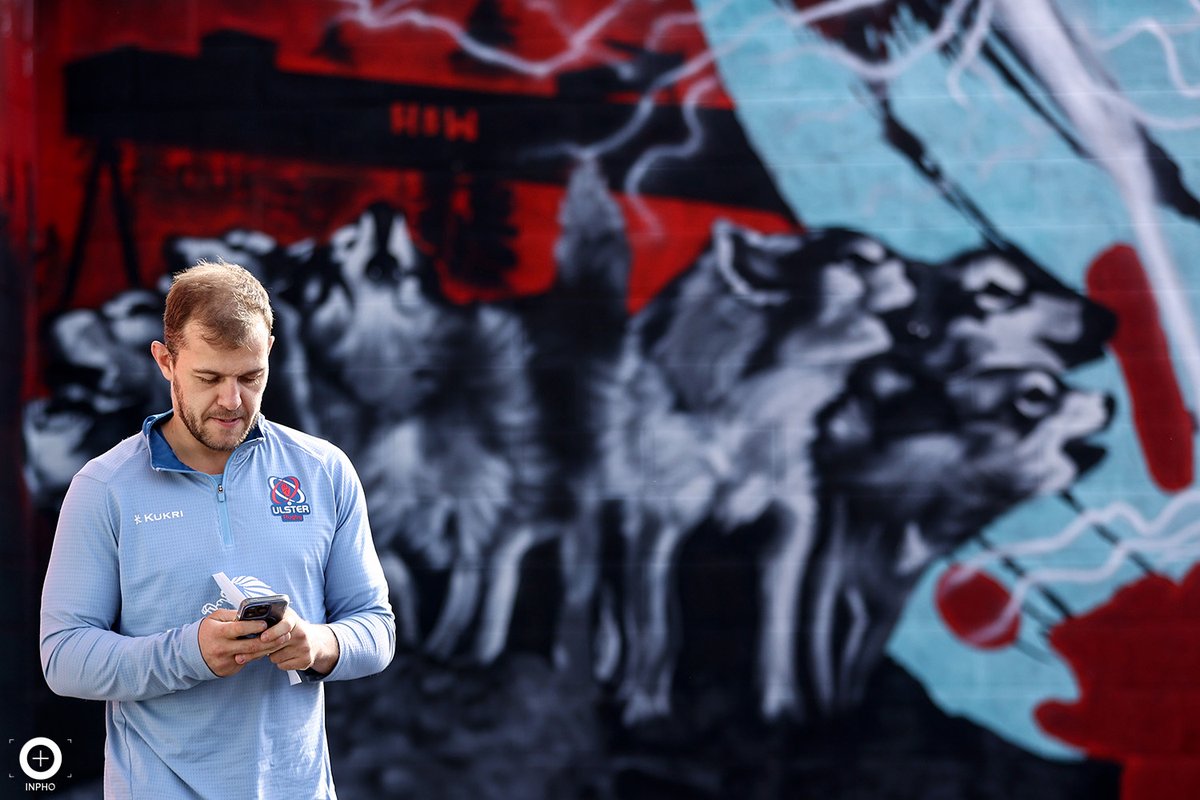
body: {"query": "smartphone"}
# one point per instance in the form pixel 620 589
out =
pixel 269 609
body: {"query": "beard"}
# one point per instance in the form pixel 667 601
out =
pixel 222 441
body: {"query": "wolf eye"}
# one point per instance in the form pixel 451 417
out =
pixel 1038 395
pixel 995 282
pixel 993 298
pixel 864 252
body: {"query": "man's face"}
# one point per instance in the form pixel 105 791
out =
pixel 216 392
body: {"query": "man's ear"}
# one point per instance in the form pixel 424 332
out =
pixel 270 343
pixel 162 357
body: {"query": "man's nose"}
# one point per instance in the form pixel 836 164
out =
pixel 229 396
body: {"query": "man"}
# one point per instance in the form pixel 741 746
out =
pixel 132 611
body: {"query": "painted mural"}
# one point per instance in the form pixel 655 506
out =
pixel 781 398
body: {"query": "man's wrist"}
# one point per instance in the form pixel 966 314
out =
pixel 328 653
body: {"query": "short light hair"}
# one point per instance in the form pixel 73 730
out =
pixel 225 299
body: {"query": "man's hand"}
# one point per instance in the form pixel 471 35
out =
pixel 221 648
pixel 294 643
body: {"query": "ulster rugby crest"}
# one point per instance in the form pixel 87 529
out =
pixel 287 499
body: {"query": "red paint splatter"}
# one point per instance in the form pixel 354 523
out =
pixel 1136 660
pixel 1164 426
pixel 973 604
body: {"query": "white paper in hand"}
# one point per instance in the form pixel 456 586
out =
pixel 234 595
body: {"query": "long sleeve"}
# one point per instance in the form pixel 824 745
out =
pixel 82 655
pixel 356 592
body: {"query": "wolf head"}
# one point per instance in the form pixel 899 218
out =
pixel 995 308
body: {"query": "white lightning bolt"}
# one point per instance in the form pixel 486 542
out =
pixel 972 44
pixel 689 146
pixel 1152 537
pixel 1118 512
pixel 400 12
pixel 646 102
pixel 1156 30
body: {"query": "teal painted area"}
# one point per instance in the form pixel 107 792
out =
pixel 811 118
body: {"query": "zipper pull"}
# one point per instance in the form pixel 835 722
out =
pixel 220 493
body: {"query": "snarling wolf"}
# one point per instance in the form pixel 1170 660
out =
pixel 761 350
pixel 911 468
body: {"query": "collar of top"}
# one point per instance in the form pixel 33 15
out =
pixel 162 457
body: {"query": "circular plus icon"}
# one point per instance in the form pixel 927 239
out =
pixel 40 758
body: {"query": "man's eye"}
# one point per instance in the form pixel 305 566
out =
pixel 208 380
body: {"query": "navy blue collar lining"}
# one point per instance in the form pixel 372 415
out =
pixel 161 454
